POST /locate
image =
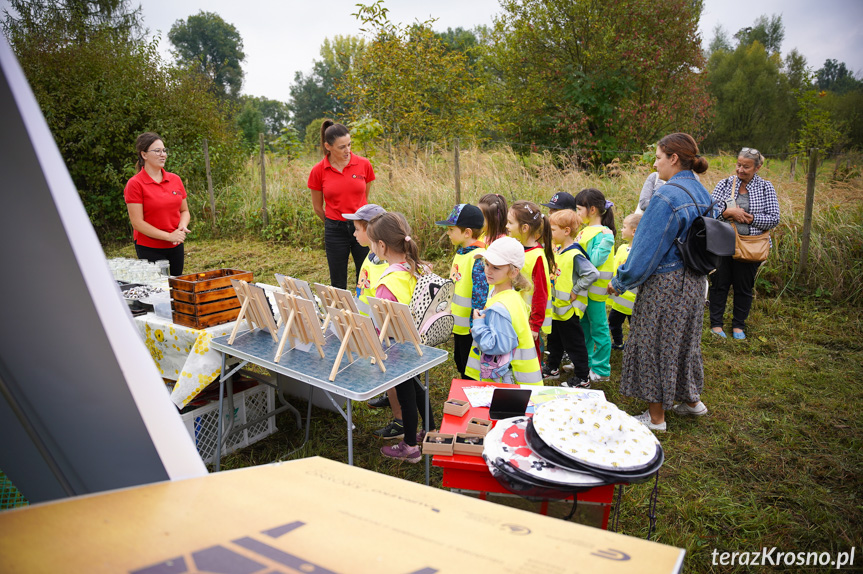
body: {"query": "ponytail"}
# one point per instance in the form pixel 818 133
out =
pixel 546 244
pixel 521 283
pixel 494 209
pixel 592 197
pixel 330 132
pixel 393 229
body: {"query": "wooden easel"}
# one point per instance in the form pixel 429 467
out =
pixel 255 309
pixel 395 320
pixel 357 334
pixel 335 297
pixel 301 323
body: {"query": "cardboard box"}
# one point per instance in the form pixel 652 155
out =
pixel 438 443
pixel 468 444
pixel 478 426
pixel 308 515
pixel 456 407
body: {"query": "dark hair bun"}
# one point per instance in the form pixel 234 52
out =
pixel 699 164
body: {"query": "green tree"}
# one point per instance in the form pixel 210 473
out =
pixel 61 21
pixel 261 115
pixel 753 100
pixel 818 129
pixel 213 47
pixel 99 93
pixel 314 95
pixel 769 32
pixel 834 76
pixel 590 74
pixel 410 81
pixel 719 42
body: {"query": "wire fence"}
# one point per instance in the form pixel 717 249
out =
pixel 10 496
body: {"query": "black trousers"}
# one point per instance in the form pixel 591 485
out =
pixel 740 275
pixel 568 336
pixel 339 241
pixel 616 319
pixel 412 399
pixel 174 255
pixel 461 345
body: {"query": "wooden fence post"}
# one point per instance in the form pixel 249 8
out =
pixel 264 215
pixel 807 217
pixel 793 167
pixel 457 172
pixel 210 182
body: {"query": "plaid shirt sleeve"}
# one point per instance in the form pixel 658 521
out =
pixel 763 203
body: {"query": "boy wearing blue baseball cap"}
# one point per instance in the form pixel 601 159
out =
pixel 463 226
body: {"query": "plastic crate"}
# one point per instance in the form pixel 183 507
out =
pixel 250 404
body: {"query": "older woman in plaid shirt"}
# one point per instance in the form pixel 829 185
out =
pixel 749 202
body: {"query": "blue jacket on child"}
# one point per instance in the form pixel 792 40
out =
pixel 669 214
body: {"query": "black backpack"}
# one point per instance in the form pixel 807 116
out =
pixel 707 240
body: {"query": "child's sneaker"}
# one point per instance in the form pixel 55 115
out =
pixel 394 430
pixel 575 383
pixel 683 409
pixel 594 378
pixel 618 347
pixel 549 373
pixel 402 451
pixel 380 402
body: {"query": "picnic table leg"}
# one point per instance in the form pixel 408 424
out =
pixel 427 425
pixel 309 412
pixel 221 405
pixel 350 434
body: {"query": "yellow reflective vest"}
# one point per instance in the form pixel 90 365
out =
pixel 563 306
pixel 597 291
pixel 401 283
pixel 461 273
pixel 530 259
pixel 625 302
pixel 524 362
pixel 370 275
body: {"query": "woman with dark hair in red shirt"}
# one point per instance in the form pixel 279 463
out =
pixel 156 200
pixel 340 184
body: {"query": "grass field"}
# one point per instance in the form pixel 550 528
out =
pixel 777 462
pixel 779 459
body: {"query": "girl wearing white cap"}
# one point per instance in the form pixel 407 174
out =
pixel 503 349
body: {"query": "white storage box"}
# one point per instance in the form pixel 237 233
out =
pixel 248 405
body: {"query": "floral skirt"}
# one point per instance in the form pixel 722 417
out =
pixel 662 360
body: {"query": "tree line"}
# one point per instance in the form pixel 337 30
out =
pixel 571 74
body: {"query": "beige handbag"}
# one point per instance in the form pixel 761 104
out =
pixel 751 248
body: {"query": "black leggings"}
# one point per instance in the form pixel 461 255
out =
pixel 174 255
pixel 412 399
pixel 340 243
pixel 616 319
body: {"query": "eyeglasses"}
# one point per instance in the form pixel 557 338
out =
pixel 158 151
pixel 749 151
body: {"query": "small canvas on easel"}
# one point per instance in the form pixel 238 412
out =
pixel 335 297
pixel 301 324
pixel 357 334
pixel 254 309
pixel 299 288
pixel 395 320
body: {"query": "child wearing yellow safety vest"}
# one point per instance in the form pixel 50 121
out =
pixel 527 224
pixel 575 273
pixel 503 348
pixel 621 305
pixel 373 267
pixel 463 226
pixel 597 239
pixel 390 238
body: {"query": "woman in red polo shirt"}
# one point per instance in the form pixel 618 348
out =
pixel 156 200
pixel 341 181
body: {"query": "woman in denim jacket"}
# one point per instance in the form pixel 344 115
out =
pixel 662 361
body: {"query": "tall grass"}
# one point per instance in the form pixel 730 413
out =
pixel 420 184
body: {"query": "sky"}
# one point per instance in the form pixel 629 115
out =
pixel 281 37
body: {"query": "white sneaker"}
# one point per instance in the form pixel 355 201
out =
pixel 594 378
pixel 683 409
pixel 644 418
